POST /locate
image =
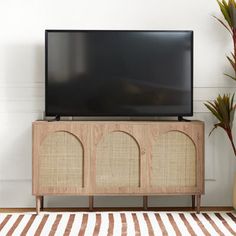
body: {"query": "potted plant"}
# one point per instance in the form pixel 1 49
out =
pixel 223 107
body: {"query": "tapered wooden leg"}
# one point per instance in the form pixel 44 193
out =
pixel 145 202
pixel 42 202
pixel 91 203
pixel 193 201
pixel 198 203
pixel 38 203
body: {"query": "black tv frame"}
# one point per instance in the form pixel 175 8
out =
pixel 121 117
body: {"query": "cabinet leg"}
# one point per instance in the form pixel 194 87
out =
pixel 145 202
pixel 42 202
pixel 91 203
pixel 38 203
pixel 193 201
pixel 198 203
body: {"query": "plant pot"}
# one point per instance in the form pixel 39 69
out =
pixel 234 193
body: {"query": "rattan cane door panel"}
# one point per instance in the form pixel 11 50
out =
pixel 175 158
pixel 60 163
pixel 173 161
pixel 117 159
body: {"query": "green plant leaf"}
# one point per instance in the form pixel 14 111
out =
pixel 212 130
pixel 232 118
pixel 213 111
pixel 215 127
pixel 233 56
pixel 232 108
pixel 223 109
pixel 223 105
pixel 225 12
pixel 230 76
pixel 226 6
pixel 232 102
pixel 233 3
pixel 232 62
pixel 228 28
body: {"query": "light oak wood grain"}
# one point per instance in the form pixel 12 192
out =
pixel 110 148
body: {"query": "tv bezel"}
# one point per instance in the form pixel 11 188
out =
pixel 124 117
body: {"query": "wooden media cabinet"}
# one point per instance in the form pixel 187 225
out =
pixel 132 158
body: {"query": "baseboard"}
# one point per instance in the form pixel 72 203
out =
pixel 80 209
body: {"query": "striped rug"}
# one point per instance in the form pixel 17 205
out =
pixel 118 223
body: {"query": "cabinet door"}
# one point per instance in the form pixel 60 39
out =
pixel 118 158
pixel 175 158
pixel 60 158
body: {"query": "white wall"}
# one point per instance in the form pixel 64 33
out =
pixel 22 25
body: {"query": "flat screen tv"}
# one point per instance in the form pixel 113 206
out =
pixel 106 73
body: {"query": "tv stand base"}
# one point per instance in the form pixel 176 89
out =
pixel 90 151
pixel 40 207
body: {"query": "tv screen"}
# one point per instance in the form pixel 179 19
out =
pixel 119 73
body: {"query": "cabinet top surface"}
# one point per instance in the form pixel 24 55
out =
pixel 117 122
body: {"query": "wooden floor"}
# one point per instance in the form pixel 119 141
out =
pixel 212 208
